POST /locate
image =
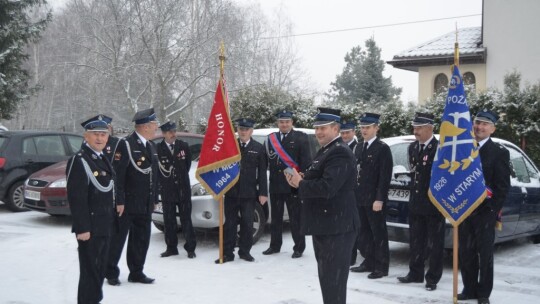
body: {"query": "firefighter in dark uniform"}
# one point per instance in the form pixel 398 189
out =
pixel 286 148
pixel 348 133
pixel 250 189
pixel 477 231
pixel 426 223
pixel 90 190
pixel 112 143
pixel 175 189
pixel 329 213
pixel 374 166
pixel 136 166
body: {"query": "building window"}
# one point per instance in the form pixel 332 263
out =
pixel 469 78
pixel 440 84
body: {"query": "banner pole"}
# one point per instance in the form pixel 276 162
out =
pixel 221 230
pixel 455 263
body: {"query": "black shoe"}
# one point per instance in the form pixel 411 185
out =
pixel 483 300
pixel 409 279
pixel 226 258
pixel 296 255
pixel 377 274
pixel 191 254
pixel 361 268
pixel 431 286
pixel 114 282
pixel 246 257
pixel 464 296
pixel 142 279
pixel 270 251
pixel 168 253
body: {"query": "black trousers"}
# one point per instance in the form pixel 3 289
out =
pixel 426 234
pixel 476 238
pixel 333 257
pixel 277 201
pixel 171 226
pixel 92 263
pixel 373 238
pixel 238 211
pixel 138 227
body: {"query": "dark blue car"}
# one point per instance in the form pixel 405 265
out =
pixel 520 213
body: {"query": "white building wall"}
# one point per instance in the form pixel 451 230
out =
pixel 512 38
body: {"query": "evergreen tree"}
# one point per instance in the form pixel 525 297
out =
pixel 16 31
pixel 362 79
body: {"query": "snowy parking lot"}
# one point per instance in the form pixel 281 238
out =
pixel 38 262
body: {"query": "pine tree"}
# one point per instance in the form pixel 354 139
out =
pixel 16 32
pixel 362 79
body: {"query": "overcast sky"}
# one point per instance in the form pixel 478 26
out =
pixel 322 54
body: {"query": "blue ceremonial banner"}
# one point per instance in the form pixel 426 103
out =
pixel 219 163
pixel 457 184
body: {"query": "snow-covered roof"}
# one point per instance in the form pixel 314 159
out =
pixel 440 51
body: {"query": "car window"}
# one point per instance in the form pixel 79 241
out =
pixel 50 145
pixel 521 173
pixel 74 142
pixel 29 147
pixel 400 154
pixel 195 144
pixel 2 140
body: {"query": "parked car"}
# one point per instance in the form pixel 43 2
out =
pixel 45 190
pixel 205 210
pixel 520 213
pixel 25 152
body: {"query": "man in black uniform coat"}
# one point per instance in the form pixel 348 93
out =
pixel 477 231
pixel 175 189
pixel 329 213
pixel 250 189
pixel 348 133
pixel 426 223
pixel 136 166
pixel 90 190
pixel 374 166
pixel 112 143
pixel 296 145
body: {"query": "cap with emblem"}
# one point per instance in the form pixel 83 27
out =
pixel 106 118
pixel 168 126
pixel 245 122
pixel 327 116
pixel 368 119
pixel 348 125
pixel 95 124
pixel 487 116
pixel 422 119
pixel 144 116
pixel 284 115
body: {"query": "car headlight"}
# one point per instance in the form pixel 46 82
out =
pixel 198 190
pixel 61 183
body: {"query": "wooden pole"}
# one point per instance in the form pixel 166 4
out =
pixel 221 230
pixel 455 258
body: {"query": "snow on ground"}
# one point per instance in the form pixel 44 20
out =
pixel 38 262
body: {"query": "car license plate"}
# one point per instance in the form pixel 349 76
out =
pixel 399 195
pixel 33 195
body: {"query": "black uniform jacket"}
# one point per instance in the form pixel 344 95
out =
pixel 374 173
pixel 110 148
pixel 496 168
pixel 353 144
pixel 135 190
pixel 174 186
pixel 296 144
pixel 253 181
pixel 327 192
pixel 420 165
pixel 91 209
